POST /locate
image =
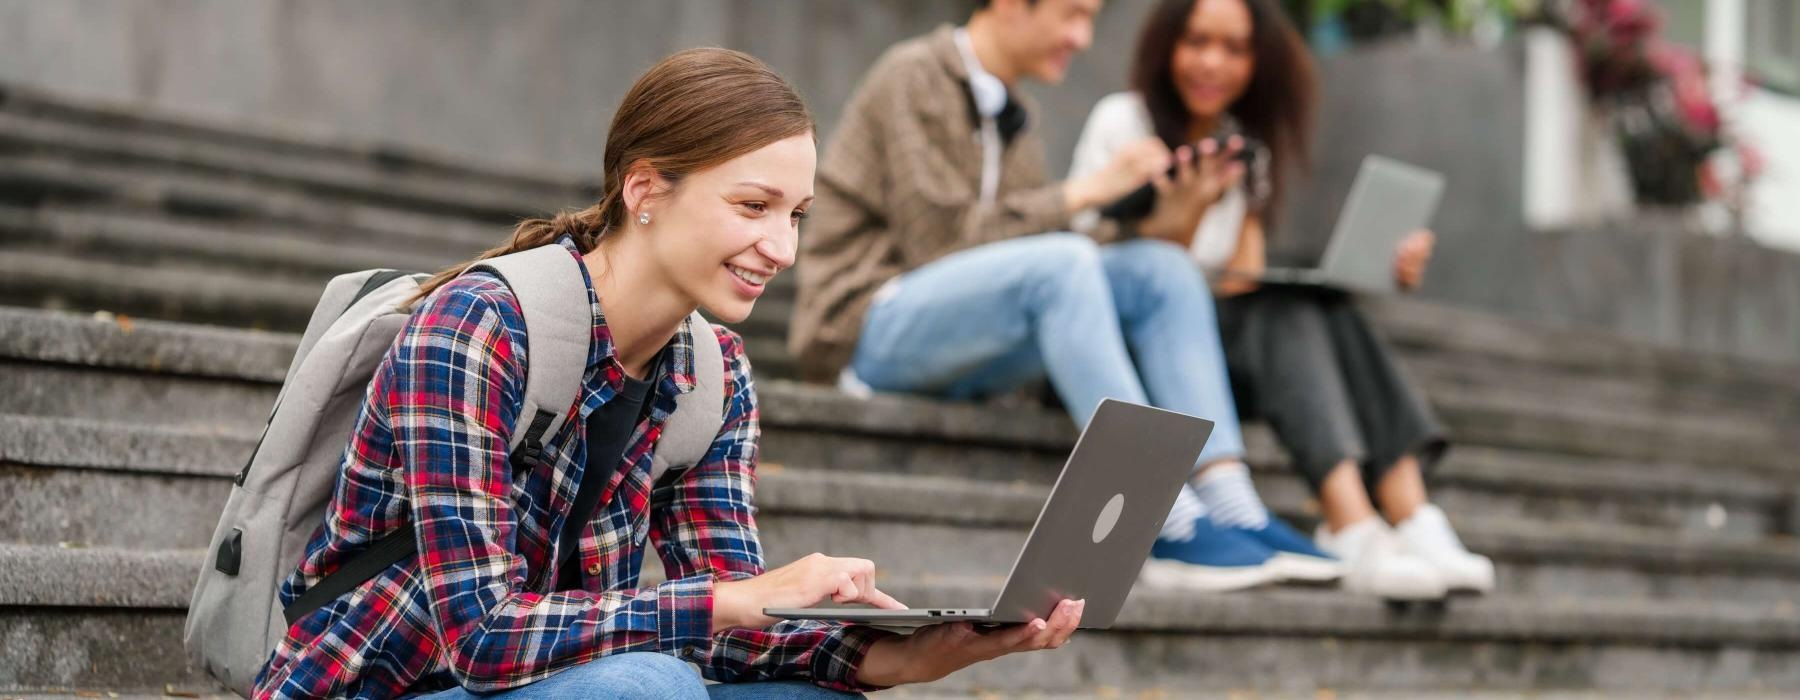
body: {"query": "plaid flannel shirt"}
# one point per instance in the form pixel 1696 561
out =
pixel 475 607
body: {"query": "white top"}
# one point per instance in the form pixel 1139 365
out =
pixel 1120 119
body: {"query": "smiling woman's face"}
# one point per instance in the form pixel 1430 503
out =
pixel 1214 61
pixel 726 231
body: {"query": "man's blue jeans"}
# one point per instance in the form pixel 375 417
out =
pixel 643 676
pixel 1132 321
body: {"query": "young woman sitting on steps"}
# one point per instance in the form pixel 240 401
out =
pixel 708 171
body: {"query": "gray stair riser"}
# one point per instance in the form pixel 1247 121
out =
pixel 1547 428
pixel 1257 664
pixel 90 504
pixel 1565 581
pixel 30 180
pixel 1445 371
pixel 86 648
pixel 89 648
pixel 338 178
pixel 137 239
pixel 921 549
pixel 1460 484
pixel 1735 520
pixel 1441 372
pixel 111 509
pixel 52 282
pixel 1724 645
pixel 810 447
pixel 179 139
pixel 239 408
pixel 1623 370
pixel 63 391
pixel 1499 420
pixel 1411 325
pixel 1755 416
pixel 141 129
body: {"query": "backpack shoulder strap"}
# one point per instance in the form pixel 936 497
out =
pixel 699 413
pixel 547 281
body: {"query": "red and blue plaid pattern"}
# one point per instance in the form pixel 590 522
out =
pixel 475 608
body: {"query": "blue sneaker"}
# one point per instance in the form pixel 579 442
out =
pixel 1214 560
pixel 1296 557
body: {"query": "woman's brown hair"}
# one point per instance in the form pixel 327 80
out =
pixel 691 111
pixel 1277 108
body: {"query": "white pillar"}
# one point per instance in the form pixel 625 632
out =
pixel 1725 30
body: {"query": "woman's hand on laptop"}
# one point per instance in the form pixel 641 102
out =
pixel 940 650
pixel 1411 258
pixel 809 581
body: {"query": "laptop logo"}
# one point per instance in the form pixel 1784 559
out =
pixel 1109 517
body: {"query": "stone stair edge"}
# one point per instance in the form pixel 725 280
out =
pixel 400 188
pixel 887 500
pixel 35 178
pixel 201 351
pixel 58 578
pixel 32 103
pixel 155 450
pixel 79 231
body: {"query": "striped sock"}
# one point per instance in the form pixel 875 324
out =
pixel 1180 525
pixel 1230 497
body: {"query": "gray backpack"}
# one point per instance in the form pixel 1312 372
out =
pixel 235 617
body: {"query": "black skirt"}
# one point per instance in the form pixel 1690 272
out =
pixel 1305 360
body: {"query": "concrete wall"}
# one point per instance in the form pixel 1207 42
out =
pixel 1461 111
pixel 527 83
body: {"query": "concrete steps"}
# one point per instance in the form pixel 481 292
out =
pixel 156 377
pixel 1247 640
pixel 909 524
pixel 1616 575
pixel 1641 503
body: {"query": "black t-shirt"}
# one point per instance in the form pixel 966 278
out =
pixel 609 429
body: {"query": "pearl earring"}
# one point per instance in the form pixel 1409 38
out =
pixel 644 218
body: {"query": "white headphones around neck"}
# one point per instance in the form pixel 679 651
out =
pixel 988 91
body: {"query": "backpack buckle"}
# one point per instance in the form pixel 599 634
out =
pixel 528 455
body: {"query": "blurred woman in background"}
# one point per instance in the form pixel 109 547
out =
pixel 1234 76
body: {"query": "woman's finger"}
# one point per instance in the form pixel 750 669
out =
pixel 847 591
pixel 874 596
pixel 1071 620
pixel 1062 624
pixel 1016 638
pixel 1162 183
pixel 1187 165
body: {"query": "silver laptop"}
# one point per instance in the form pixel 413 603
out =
pixel 1388 200
pixel 1094 532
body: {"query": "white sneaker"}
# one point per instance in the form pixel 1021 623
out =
pixel 1378 563
pixel 1428 534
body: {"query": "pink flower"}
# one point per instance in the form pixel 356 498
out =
pixel 1750 160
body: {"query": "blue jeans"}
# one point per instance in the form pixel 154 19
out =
pixel 989 319
pixel 643 675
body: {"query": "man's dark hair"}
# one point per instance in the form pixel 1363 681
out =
pixel 983 4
